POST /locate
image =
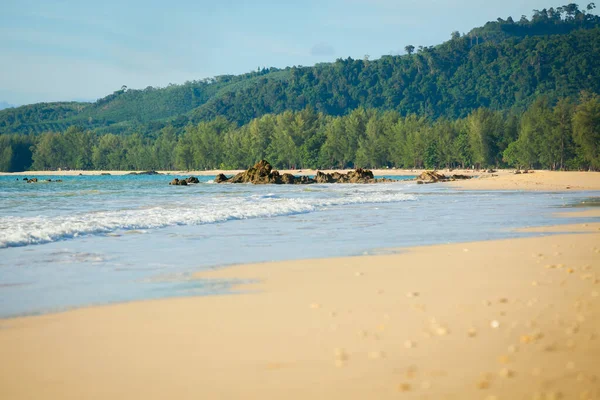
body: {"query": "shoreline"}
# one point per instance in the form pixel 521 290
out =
pixel 520 317
pixel 378 172
pixel 537 181
pixel 499 180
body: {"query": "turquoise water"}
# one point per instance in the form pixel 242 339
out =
pixel 101 239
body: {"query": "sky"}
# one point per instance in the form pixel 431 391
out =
pixel 64 50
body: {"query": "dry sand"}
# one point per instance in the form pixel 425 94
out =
pixel 509 319
pixel 537 181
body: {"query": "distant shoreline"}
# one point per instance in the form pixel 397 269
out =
pixel 498 180
pixel 378 172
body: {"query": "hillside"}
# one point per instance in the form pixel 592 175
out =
pixel 502 65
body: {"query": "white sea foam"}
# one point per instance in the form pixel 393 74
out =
pixel 22 231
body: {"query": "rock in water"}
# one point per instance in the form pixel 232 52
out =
pixel 322 177
pixel 303 180
pixel 360 176
pixel 263 173
pixel 288 179
pixel 220 178
pixel 184 182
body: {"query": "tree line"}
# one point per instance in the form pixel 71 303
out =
pixel 550 135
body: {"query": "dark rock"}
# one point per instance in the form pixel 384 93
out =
pixel 360 176
pixel 184 182
pixel 263 173
pixel 288 179
pixel 339 178
pixel 322 177
pixel 221 178
pixel 25 179
pixel 517 172
pixel 303 180
pixel 383 180
pixel 32 180
pixel 431 177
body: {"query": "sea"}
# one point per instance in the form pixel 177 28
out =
pixel 93 240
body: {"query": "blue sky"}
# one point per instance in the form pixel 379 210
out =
pixel 82 50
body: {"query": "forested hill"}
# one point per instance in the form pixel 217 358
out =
pixel 504 64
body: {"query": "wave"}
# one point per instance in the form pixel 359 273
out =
pixel 22 231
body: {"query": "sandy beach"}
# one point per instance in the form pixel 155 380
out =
pixel 508 319
pixel 537 181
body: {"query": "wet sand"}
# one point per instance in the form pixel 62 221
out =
pixel 508 319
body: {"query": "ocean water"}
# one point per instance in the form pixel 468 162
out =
pixel 101 239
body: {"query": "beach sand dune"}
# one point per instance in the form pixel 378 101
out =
pixel 508 319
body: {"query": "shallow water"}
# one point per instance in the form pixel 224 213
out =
pixel 102 239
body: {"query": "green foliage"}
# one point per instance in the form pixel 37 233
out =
pixel 505 94
pixel 549 135
pixel 502 65
pixel 586 129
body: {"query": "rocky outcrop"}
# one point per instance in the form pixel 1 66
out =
pixel 220 178
pixel 184 182
pixel 263 173
pixel 178 182
pixel 145 173
pixel 288 179
pixel 434 176
pixel 324 178
pixel 431 177
pixel 35 180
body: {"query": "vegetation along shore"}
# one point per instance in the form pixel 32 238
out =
pixel 512 93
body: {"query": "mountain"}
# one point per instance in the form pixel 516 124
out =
pixel 4 105
pixel 501 65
